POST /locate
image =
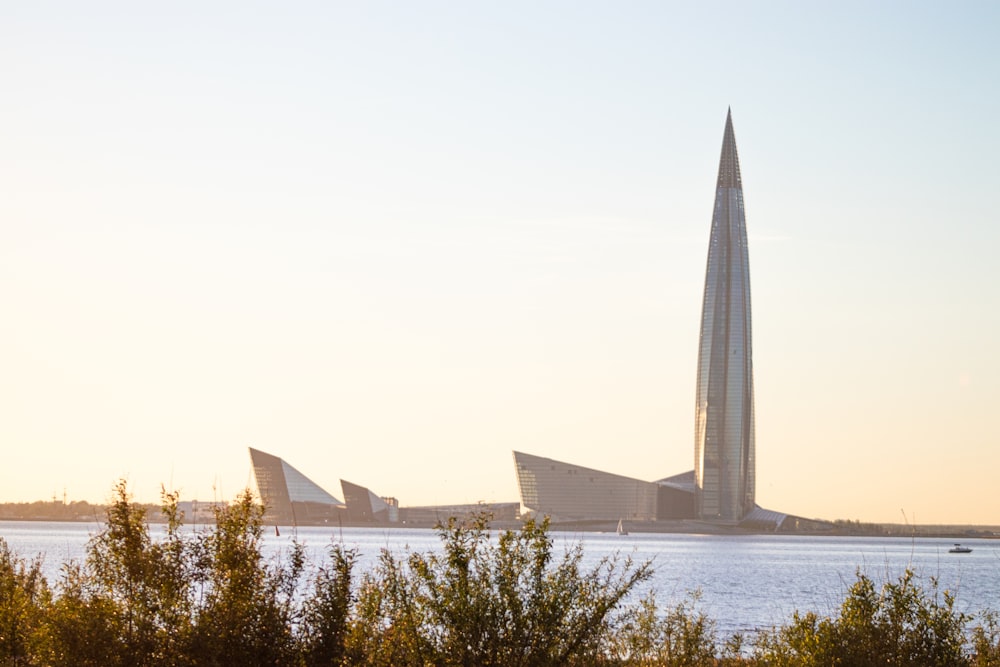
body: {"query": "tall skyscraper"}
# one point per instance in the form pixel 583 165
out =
pixel 720 489
pixel 724 422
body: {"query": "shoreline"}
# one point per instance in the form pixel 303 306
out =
pixel 679 527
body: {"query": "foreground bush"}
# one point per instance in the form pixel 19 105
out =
pixel 681 636
pixel 898 624
pixel 205 599
pixel 212 599
pixel 24 597
pixel 485 603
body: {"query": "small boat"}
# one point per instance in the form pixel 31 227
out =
pixel 621 529
pixel 959 549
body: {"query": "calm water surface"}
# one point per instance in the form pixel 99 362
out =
pixel 746 582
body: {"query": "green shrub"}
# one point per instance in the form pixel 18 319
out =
pixel 897 624
pixel 82 628
pixel 986 641
pixel 24 601
pixel 326 613
pixel 129 603
pixel 210 599
pixel 246 608
pixel 681 637
pixel 491 602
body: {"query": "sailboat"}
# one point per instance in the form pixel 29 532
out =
pixel 621 529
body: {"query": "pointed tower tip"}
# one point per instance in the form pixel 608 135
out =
pixel 729 162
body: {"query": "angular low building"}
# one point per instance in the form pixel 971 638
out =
pixel 363 506
pixel 567 492
pixel 676 497
pixel 289 497
pixel 432 515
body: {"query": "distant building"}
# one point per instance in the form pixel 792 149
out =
pixel 721 486
pixel 363 506
pixel 569 492
pixel 291 498
pixel 431 515
pixel 196 512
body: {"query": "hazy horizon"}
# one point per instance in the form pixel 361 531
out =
pixel 392 242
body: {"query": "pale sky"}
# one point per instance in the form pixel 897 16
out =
pixel 391 242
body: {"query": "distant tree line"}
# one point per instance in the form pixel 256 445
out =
pixel 213 599
pixel 61 510
pixel 848 527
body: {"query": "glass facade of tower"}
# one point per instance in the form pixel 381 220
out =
pixel 724 421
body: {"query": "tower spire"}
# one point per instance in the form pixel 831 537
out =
pixel 729 162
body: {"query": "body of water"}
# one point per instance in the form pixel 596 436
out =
pixel 746 582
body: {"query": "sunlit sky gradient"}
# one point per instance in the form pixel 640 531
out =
pixel 393 241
